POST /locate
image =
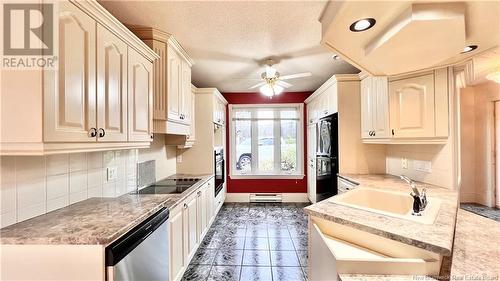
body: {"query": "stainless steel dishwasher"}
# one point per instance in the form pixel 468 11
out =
pixel 142 253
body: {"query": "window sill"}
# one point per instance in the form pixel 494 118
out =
pixel 277 177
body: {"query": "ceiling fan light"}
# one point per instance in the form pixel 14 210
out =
pixel 278 89
pixel 270 71
pixel 267 90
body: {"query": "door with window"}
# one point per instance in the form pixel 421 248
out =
pixel 266 140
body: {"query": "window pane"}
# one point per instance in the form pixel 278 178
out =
pixel 243 143
pixel 243 114
pixel 288 146
pixel 288 113
pixel 266 145
pixel 265 113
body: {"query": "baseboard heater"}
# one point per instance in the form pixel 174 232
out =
pixel 266 198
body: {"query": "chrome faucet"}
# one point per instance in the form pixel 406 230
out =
pixel 419 198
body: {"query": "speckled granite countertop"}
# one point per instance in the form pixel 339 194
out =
pixel 476 252
pixel 436 237
pixel 95 221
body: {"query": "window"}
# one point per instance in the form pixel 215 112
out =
pixel 266 140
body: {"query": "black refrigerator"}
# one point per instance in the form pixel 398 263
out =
pixel 327 160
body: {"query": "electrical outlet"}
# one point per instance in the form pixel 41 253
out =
pixel 404 163
pixel 422 166
pixel 179 158
pixel 112 173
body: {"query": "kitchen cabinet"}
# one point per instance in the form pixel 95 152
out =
pixel 311 163
pixel 190 216
pixel 219 111
pixel 98 98
pixel 140 98
pixel 323 102
pixel 374 107
pixel 173 97
pixel 112 87
pixel 406 109
pixel 176 243
pixel 189 222
pixel 312 116
pixel 70 109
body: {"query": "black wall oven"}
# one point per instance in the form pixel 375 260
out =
pixel 220 173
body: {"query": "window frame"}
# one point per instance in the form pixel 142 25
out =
pixel 298 174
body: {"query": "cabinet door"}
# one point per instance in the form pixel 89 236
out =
pixel 186 93
pixel 160 80
pixel 381 107
pixel 202 211
pixel 367 107
pixel 312 112
pixel 70 96
pixel 111 86
pixel 192 125
pixel 412 107
pixel 140 97
pixel 210 201
pixel 190 226
pixel 176 244
pixel 174 83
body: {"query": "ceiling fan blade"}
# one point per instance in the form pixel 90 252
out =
pixel 284 84
pixel 257 85
pixel 297 75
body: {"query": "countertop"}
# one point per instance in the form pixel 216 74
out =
pixel 95 221
pixel 436 237
pixel 476 251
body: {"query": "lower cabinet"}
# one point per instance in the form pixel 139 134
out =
pixel 188 223
pixel 177 263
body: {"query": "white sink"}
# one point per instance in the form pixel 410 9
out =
pixel 390 203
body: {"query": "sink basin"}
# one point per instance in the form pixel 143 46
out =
pixel 390 203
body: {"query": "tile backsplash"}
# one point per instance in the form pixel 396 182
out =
pixel 34 185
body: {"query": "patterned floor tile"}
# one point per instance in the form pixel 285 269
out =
pixel 288 274
pixel 228 257
pixel 254 273
pixel 284 258
pixel 256 258
pixel 196 273
pixel 224 273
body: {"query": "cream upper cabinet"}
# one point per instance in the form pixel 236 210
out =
pixel 374 108
pixel 140 97
pixel 323 102
pixel 173 99
pixel 70 95
pixel 187 94
pixel 175 89
pixel 412 107
pixel 112 87
pixel 219 111
pixel 97 98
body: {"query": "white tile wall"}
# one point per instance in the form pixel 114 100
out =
pixel 33 185
pixel 440 156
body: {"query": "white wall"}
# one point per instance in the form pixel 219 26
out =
pixel 34 185
pixel 440 156
pixel 478 151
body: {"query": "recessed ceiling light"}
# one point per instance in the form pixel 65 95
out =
pixel 362 24
pixel 336 57
pixel 469 49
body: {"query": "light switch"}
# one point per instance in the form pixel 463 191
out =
pixel 112 173
pixel 404 163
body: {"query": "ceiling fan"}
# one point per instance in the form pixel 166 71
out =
pixel 274 83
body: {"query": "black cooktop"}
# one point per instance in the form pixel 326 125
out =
pixel 168 186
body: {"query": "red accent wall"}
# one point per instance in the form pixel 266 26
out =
pixel 267 185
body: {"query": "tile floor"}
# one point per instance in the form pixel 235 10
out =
pixel 491 213
pixel 253 242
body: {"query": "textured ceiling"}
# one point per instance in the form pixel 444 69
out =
pixel 229 40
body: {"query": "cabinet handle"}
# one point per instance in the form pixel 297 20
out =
pixel 92 133
pixel 374 133
pixel 102 133
pixel 182 116
pixel 185 206
pixel 151 135
pixel 393 132
pixel 326 111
